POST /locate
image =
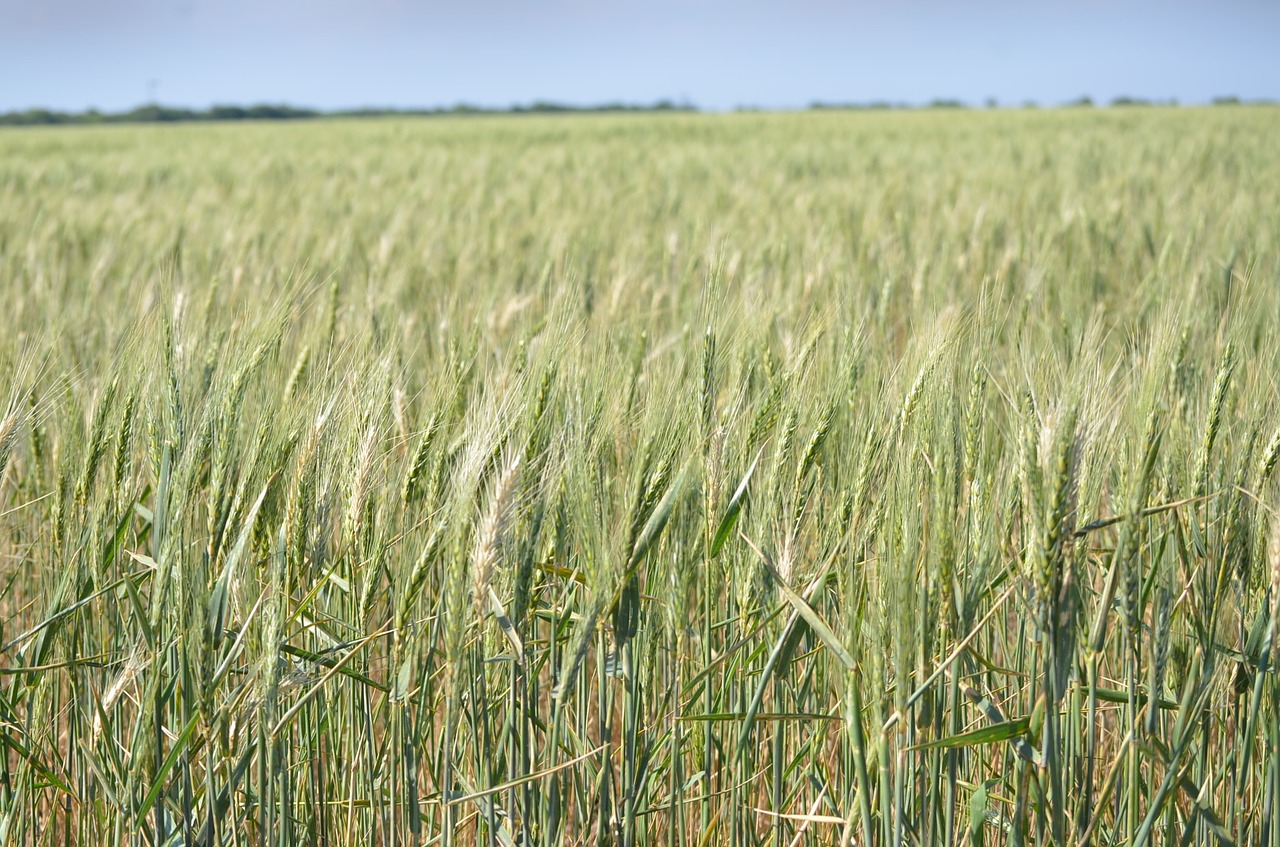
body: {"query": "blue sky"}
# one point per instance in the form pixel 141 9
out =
pixel 73 54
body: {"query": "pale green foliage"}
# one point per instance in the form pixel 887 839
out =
pixel 642 480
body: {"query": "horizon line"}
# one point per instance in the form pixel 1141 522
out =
pixel 155 112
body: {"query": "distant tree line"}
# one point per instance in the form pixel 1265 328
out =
pixel 1079 103
pixel 155 113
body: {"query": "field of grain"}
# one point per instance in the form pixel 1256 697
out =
pixel 881 478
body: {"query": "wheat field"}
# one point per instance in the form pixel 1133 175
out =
pixel 875 478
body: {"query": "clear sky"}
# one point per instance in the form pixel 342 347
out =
pixel 115 54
